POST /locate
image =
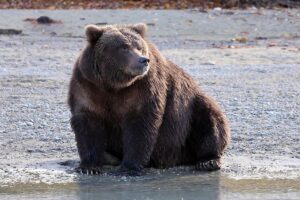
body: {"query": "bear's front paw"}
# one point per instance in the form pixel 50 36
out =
pixel 126 172
pixel 89 170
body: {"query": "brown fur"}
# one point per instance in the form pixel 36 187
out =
pixel 155 116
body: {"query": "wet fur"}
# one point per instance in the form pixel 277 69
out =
pixel 160 120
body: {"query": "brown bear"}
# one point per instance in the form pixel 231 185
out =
pixel 129 101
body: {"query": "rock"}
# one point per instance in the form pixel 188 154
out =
pixel 53 33
pixel 217 9
pixel 44 20
pixel 101 23
pixel 151 24
pixel 210 62
pixel 240 39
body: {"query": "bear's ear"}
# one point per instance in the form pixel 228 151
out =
pixel 93 33
pixel 140 28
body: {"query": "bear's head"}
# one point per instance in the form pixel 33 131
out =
pixel 119 54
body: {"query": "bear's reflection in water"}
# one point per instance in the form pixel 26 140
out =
pixel 173 183
pixel 169 184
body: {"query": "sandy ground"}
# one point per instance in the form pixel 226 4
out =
pixel 256 81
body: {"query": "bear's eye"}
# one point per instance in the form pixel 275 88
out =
pixel 139 48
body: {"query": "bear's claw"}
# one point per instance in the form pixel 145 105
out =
pixel 89 170
pixel 210 165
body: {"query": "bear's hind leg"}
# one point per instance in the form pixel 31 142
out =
pixel 209 135
pixel 207 152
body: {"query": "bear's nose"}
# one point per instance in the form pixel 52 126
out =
pixel 144 60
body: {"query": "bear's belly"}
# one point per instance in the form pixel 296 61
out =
pixel 167 153
pixel 114 144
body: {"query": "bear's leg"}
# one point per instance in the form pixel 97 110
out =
pixel 91 139
pixel 139 137
pixel 209 135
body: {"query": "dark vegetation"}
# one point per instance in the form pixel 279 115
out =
pixel 146 4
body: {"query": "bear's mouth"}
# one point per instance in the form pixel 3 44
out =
pixel 137 70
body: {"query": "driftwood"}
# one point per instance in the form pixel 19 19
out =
pixel 10 32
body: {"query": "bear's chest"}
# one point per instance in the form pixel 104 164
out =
pixel 116 106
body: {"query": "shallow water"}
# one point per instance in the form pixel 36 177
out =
pixel 261 100
pixel 167 184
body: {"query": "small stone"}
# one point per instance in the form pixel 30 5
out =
pixel 210 62
pixel 101 23
pixel 217 9
pixel 151 24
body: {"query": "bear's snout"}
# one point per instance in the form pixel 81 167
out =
pixel 138 66
pixel 141 67
pixel 144 60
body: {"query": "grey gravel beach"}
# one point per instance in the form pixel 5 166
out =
pixel 249 61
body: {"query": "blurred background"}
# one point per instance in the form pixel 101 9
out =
pixel 147 4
